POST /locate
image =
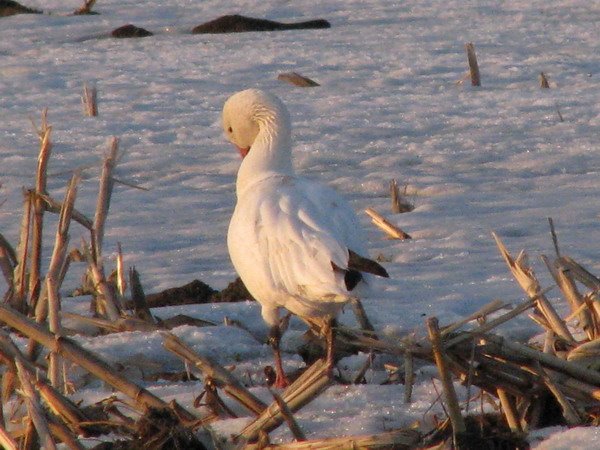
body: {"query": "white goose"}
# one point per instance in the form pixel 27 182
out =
pixel 296 244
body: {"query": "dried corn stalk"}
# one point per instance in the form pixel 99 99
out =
pixel 528 282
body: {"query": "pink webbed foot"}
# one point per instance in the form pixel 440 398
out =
pixel 281 381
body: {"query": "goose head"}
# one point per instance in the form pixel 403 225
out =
pixel 258 124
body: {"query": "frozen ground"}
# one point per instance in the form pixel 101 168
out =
pixel 394 103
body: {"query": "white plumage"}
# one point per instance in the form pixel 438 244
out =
pixel 295 243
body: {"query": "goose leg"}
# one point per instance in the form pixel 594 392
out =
pixel 330 337
pixel 281 379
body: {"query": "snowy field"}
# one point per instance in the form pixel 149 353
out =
pixel 393 103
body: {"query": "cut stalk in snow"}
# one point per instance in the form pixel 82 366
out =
pixel 6 440
pixel 20 274
pixel 458 424
pixel 297 80
pixel 72 351
pixel 104 195
pixel 38 210
pixel 34 409
pixel 397 439
pixel 289 418
pixel 106 302
pixel 90 100
pixel 473 65
pixel 303 390
pixel 526 279
pixel 8 260
pixel 49 299
pixel 510 413
pixel 221 377
pixel 391 230
pixel 544 81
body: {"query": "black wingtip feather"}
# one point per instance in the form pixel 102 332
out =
pixel 362 264
pixel 356 265
pixel 352 278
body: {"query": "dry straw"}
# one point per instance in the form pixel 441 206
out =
pixel 519 377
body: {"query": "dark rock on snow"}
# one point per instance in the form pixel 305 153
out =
pixel 10 8
pixel 198 292
pixel 234 292
pixel 194 292
pixel 238 24
pixel 130 31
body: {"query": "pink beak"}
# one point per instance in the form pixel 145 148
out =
pixel 243 151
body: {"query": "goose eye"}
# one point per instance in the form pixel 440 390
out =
pixel 230 130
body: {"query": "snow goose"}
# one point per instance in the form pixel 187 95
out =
pixel 296 244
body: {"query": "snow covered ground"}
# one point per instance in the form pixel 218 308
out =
pixel 393 103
